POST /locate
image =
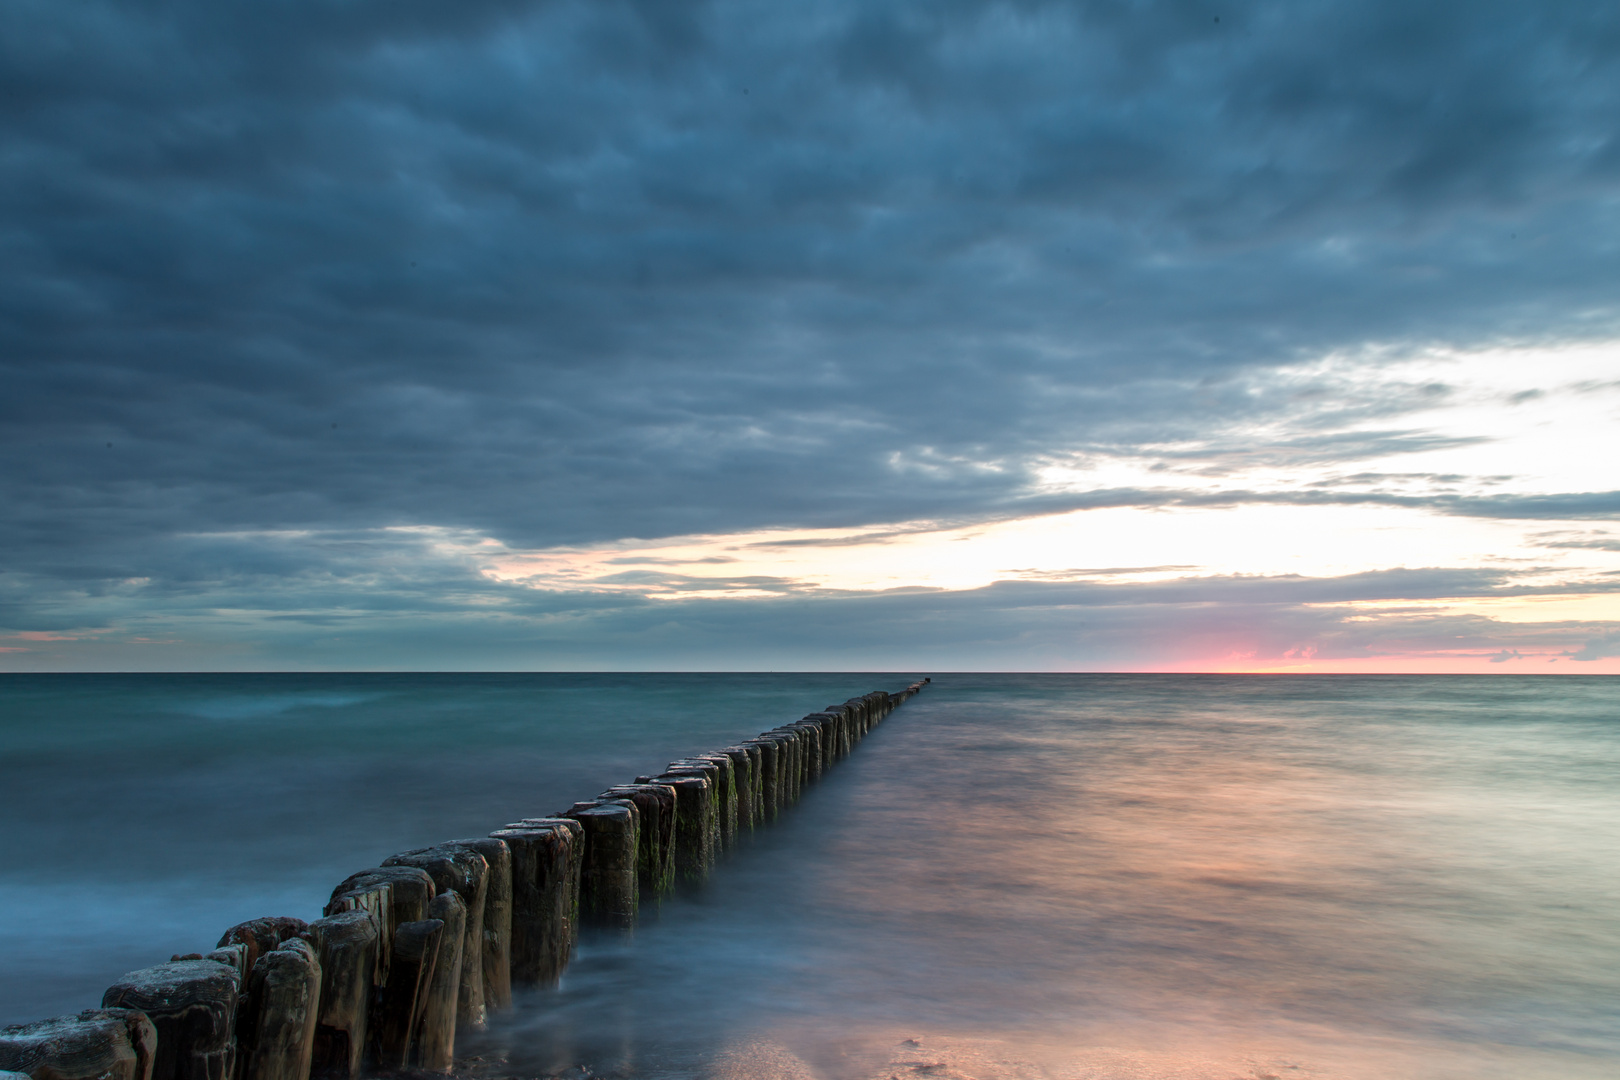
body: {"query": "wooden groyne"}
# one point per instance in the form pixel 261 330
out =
pixel 410 953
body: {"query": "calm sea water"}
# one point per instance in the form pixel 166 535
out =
pixel 1024 876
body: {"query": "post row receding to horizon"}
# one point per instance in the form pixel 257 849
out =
pixel 426 945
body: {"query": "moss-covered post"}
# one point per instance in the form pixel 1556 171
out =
pixel 694 821
pixel 746 776
pixel 655 861
pixel 810 731
pixel 723 777
pixel 794 745
pixel 710 774
pixel 608 895
pixel 770 776
pixel 543 889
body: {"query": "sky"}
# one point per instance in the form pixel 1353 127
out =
pixel 945 335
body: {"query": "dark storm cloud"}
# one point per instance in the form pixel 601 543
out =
pixel 560 272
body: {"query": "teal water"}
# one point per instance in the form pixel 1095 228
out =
pixel 1090 875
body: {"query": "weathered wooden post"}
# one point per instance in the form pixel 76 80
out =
pixel 855 721
pixel 810 731
pixel 608 893
pixel 756 758
pixel 830 723
pixel 402 894
pixel 497 947
pixel 800 758
pixel 376 901
pixel 276 1028
pixel 694 821
pixel 434 1042
pixel 770 798
pixel 868 712
pixel 259 936
pixel 731 791
pixel 410 891
pixel 717 799
pixel 410 976
pixel 837 720
pixel 848 721
pixel 97 1044
pixel 346 947
pixel 722 775
pixel 542 898
pixel 747 780
pixel 793 748
pixel 576 869
pixel 655 862
pixel 192 1006
pixel 466 873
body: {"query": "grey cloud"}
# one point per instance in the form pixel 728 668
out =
pixel 565 272
pixel 355 621
pixel 1599 648
pixel 1596 544
pixel 652 561
pixel 1345 447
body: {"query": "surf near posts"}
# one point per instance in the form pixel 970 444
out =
pixel 412 952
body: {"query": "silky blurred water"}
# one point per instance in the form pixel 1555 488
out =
pixel 1016 875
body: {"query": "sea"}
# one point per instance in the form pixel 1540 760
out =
pixel 1014 877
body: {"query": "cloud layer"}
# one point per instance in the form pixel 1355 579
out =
pixel 566 273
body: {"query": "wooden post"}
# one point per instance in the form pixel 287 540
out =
pixel 232 956
pixel 542 899
pixel 376 901
pixel 434 1043
pixel 97 1044
pixel 837 721
pixel 796 761
pixel 770 799
pixel 694 821
pixel 576 869
pixel 868 713
pixel 725 785
pixel 811 732
pixel 496 961
pixel 710 772
pixel 746 775
pixel 466 873
pixel 346 948
pixel 410 891
pixel 192 1006
pixel 794 753
pixel 259 936
pixel 655 862
pixel 607 893
pixel 276 1031
pixel 416 950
